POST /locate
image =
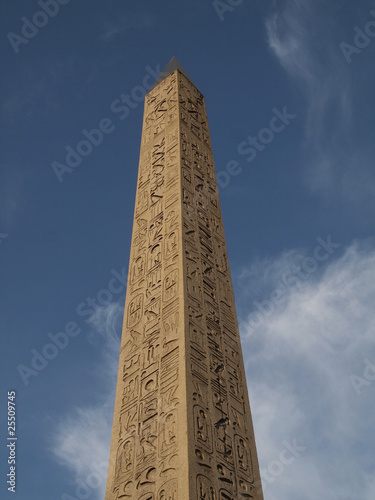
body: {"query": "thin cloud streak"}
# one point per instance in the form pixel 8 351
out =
pixel 122 26
pixel 303 37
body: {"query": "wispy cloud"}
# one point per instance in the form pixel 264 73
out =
pixel 125 24
pixel 299 364
pixel 105 323
pixel 81 440
pixel 299 367
pixel 304 36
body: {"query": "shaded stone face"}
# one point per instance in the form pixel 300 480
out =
pixel 182 426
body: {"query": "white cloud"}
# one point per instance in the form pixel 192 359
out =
pixel 81 445
pixel 105 323
pixel 299 363
pixel 299 367
pixel 81 440
pixel 305 38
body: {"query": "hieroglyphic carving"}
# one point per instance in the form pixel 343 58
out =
pixel 205 489
pixel 170 244
pixel 131 365
pixel 180 350
pixel 170 287
pixel 125 459
pixel 169 490
pixel 243 457
pixel 135 310
pixel 215 361
pixel 168 433
pixel 150 343
pixel 169 377
pixel 203 428
pixel 137 269
pixel 129 421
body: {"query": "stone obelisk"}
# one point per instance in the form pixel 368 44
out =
pixel 182 427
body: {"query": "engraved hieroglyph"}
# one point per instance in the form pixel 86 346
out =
pixel 182 427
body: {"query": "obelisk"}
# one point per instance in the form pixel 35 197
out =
pixel 182 427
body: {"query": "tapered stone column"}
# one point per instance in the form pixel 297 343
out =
pixel 182 427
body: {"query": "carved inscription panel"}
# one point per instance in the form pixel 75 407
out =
pixel 145 445
pixel 224 445
pixel 182 425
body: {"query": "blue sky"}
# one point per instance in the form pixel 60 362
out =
pixel 289 93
